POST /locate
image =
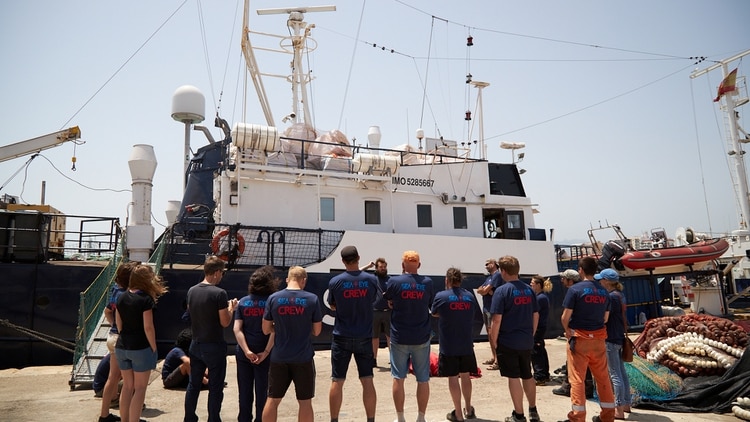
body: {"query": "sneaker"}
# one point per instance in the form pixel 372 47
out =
pixel 452 416
pixel 563 390
pixel 541 382
pixel 109 418
pixel 98 393
pixel 533 415
pixel 469 414
pixel 515 418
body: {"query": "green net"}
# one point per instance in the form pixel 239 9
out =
pixel 651 380
pixel 92 303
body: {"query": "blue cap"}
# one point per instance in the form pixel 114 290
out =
pixel 608 274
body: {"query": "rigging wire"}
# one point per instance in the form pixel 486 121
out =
pixel 606 100
pixel 351 63
pixel 153 34
pixel 204 41
pixel 700 158
pixel 545 38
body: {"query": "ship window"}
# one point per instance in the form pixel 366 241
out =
pixel 459 218
pixel 514 225
pixel 327 209
pixel 372 212
pixel 424 215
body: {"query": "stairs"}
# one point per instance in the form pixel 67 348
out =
pixel 85 368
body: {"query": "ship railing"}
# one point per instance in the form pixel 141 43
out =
pixel 249 246
pixel 92 329
pixel 32 236
pixel 336 156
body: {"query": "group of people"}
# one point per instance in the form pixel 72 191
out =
pixel 274 330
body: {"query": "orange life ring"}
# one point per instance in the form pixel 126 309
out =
pixel 217 239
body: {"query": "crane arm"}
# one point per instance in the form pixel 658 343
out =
pixel 30 146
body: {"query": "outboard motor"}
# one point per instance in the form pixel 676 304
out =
pixel 611 252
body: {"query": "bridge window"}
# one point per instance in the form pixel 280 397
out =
pixel 424 215
pixel 459 218
pixel 372 212
pixel 327 209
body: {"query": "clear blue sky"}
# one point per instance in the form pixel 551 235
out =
pixel 615 129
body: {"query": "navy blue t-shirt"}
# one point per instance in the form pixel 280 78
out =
pixel 495 281
pixel 250 310
pixel 172 361
pixel 411 295
pixel 516 302
pixel 615 322
pixel 589 301
pixel 112 305
pixel 455 309
pixel 380 303
pixel 543 302
pixel 352 293
pixel 293 312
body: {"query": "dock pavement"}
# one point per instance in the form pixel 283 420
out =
pixel 43 394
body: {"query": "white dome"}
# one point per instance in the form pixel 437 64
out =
pixel 188 105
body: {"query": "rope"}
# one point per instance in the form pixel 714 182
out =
pixel 57 342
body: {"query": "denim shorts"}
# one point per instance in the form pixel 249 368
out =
pixel 420 360
pixel 342 349
pixel 138 360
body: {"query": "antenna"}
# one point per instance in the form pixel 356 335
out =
pixel 288 10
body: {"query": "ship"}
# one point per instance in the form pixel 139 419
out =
pixel 267 194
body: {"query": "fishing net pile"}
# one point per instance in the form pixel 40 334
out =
pixel 692 345
pixel 649 380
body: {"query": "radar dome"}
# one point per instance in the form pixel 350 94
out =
pixel 188 105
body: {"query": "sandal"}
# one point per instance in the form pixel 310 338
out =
pixel 493 367
pixel 488 362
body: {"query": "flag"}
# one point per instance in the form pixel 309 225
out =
pixel 727 85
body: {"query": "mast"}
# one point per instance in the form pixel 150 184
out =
pixel 299 78
pixel 737 154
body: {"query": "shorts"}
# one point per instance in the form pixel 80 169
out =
pixel 514 363
pixel 381 323
pixel 112 342
pixel 137 360
pixel 342 349
pixel 451 366
pixel 420 360
pixel 281 376
pixel 176 379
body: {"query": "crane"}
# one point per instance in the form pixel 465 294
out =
pixel 30 146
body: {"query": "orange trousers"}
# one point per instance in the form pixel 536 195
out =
pixel 589 353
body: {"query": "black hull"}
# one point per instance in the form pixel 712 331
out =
pixel 45 298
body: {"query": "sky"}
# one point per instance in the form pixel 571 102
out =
pixel 616 132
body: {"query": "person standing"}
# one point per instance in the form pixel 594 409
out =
pixel 253 346
pixel 293 315
pixel 109 392
pixel 210 312
pixel 455 308
pixel 515 315
pixel 487 288
pixel 585 313
pixel 351 295
pixel 539 358
pixel 381 318
pixel 410 297
pixel 617 327
pixel 136 345
pixel 568 278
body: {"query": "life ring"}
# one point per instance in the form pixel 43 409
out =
pixel 225 255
